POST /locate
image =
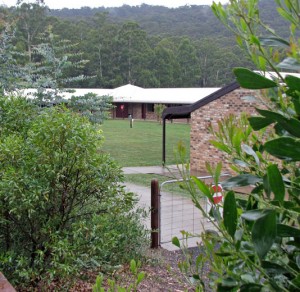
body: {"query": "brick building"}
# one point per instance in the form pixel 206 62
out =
pixel 208 111
pixel 139 102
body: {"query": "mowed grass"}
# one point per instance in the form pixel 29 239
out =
pixel 142 144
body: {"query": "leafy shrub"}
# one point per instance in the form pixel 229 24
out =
pixel 256 247
pixel 62 207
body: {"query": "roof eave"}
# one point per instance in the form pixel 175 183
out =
pixel 178 112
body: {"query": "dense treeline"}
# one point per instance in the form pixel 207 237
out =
pixel 149 46
pixel 195 21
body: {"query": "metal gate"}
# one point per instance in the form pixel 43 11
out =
pixel 177 213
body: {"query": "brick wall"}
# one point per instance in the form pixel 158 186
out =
pixel 136 110
pixel 201 150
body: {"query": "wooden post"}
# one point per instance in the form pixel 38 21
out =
pixel 155 210
pixel 164 143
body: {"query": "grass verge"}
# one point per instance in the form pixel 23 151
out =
pixel 142 144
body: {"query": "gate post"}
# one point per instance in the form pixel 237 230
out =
pixel 155 210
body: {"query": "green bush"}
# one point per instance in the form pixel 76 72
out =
pixel 62 207
pixel 256 246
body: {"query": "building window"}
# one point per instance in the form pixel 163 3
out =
pixel 150 107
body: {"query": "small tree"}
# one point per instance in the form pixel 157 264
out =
pixel 50 70
pixel 11 74
pixel 158 109
pixel 95 108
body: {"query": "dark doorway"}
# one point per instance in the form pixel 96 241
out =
pixel 122 110
pixel 144 108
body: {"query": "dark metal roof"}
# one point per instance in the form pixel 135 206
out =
pixel 180 112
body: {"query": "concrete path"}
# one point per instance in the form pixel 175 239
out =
pixel 170 170
pixel 177 212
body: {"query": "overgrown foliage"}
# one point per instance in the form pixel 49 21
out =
pixel 137 279
pixel 62 207
pixel 257 247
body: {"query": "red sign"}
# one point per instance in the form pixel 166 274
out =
pixel 217 197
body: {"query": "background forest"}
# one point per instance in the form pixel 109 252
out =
pixel 148 46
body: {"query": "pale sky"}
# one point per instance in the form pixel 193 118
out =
pixel 58 4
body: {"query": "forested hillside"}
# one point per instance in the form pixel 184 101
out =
pixel 195 21
pixel 149 46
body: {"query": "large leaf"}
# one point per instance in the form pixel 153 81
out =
pixel 258 123
pixel 240 163
pixel 276 182
pixel 247 149
pixel 217 173
pixel 274 42
pixel 264 233
pixel 287 231
pixel 290 125
pixel 253 215
pixel 220 146
pixel 273 269
pixel 241 181
pixel 204 189
pixel 251 80
pixel 290 64
pixel 285 148
pixel 292 82
pixel 230 213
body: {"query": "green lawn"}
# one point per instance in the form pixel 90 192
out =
pixel 142 144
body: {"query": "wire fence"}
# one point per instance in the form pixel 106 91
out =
pixel 178 213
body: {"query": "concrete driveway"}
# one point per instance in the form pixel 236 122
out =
pixel 177 212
